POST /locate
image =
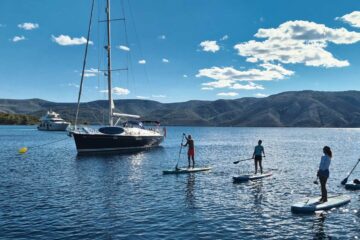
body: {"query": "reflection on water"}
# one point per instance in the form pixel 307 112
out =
pixel 52 192
pixel 258 194
pixel 189 191
pixel 319 226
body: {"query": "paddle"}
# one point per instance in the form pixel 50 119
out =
pixel 236 162
pixel 182 141
pixel 344 181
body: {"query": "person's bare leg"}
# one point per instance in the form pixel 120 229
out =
pixel 193 161
pixel 260 164
pixel 255 166
pixel 188 161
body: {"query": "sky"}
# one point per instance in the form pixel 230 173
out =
pixel 179 50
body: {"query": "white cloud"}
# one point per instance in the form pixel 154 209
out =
pixel 260 95
pixel 297 42
pixel 227 94
pixel 309 31
pixel 252 59
pixel 249 86
pixel 142 97
pixel 226 76
pixel 142 61
pixel 89 74
pixel 120 91
pixel 65 40
pixel 18 38
pixel 352 18
pixel 162 37
pixel 209 46
pixel 164 60
pixel 225 37
pixel 73 85
pixel 117 91
pixel 185 76
pixel 219 84
pixel 28 26
pixel 207 88
pixel 159 96
pixel 92 72
pixel 124 48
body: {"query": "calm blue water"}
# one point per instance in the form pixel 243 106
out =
pixel 51 193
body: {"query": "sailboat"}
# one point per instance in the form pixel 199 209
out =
pixel 118 135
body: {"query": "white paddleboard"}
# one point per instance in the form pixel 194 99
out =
pixel 250 177
pixel 311 205
pixel 352 186
pixel 186 170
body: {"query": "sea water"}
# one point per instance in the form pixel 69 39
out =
pixel 52 193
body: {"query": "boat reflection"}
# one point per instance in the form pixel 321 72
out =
pixel 105 155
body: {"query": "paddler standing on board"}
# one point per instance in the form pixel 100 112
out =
pixel 191 149
pixel 257 156
pixel 323 172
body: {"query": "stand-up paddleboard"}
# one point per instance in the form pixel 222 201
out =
pixel 186 170
pixel 249 177
pixel 352 186
pixel 312 204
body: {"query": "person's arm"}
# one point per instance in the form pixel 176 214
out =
pixel 320 165
pixel 187 142
pixel 322 162
pixel 263 150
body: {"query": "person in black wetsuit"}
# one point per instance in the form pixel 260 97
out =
pixel 191 149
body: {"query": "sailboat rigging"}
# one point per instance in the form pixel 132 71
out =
pixel 130 135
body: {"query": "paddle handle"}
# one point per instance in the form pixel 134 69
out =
pixel 353 168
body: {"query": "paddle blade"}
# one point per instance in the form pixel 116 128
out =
pixel 23 150
pixel 344 181
pixel 236 162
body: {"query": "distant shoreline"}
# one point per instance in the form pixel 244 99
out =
pixel 309 109
pixel 17 119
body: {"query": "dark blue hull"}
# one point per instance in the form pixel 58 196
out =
pixel 88 143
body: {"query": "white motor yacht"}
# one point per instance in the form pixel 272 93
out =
pixel 52 122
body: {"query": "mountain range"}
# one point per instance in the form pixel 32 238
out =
pixel 287 109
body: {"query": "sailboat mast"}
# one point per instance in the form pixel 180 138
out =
pixel 108 48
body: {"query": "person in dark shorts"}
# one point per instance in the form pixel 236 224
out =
pixel 257 156
pixel 191 149
pixel 323 172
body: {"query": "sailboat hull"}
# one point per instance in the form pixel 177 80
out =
pixel 87 143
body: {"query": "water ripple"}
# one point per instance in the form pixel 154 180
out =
pixel 51 193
